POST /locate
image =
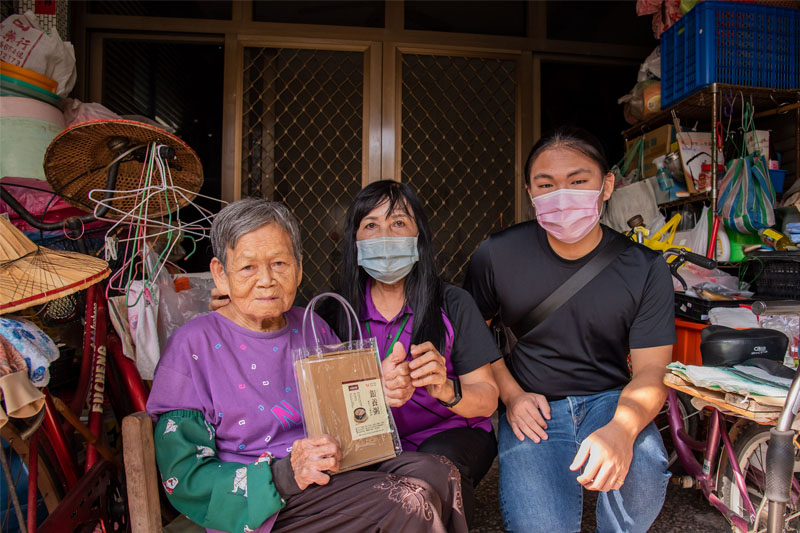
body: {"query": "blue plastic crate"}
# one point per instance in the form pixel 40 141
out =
pixel 730 42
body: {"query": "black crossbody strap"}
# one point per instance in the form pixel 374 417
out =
pixel 570 287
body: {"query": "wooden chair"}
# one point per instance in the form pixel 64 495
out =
pixel 140 473
pixel 144 492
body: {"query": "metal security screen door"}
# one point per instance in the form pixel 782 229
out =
pixel 458 149
pixel 455 138
pixel 302 138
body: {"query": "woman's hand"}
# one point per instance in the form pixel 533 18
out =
pixel 218 300
pixel 312 457
pixel 397 385
pixel 527 413
pixel 429 370
pixel 608 453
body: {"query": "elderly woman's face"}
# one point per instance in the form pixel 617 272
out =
pixel 379 223
pixel 261 276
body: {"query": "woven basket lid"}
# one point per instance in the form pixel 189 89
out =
pixel 77 159
pixel 32 275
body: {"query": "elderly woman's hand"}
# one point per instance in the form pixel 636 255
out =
pixel 397 385
pixel 428 370
pixel 312 457
pixel 218 299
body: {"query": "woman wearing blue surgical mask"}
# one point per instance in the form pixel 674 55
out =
pixel 436 350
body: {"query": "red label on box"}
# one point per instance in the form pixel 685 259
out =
pixel 45 7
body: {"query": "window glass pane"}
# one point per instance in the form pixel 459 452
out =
pixel 490 18
pixel 332 13
pixel 196 9
pixel 586 95
pixel 599 22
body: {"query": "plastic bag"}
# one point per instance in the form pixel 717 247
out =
pixel 36 347
pixel 76 111
pixel 177 308
pixel 143 325
pixel 789 325
pixel 696 239
pixel 746 197
pixel 341 394
pixel 629 201
pixel 25 45
pixel 696 275
pixel 732 317
pixel 643 100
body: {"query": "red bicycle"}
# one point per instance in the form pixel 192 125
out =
pixel 82 490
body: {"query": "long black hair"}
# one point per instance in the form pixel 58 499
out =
pixel 423 287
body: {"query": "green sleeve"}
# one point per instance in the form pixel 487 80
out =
pixel 220 495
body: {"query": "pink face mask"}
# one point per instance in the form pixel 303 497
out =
pixel 568 214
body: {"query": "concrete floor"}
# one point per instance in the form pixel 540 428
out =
pixel 684 510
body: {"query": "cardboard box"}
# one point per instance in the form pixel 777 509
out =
pixel 656 143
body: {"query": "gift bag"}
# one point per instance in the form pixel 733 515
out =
pixel 746 197
pixel 341 394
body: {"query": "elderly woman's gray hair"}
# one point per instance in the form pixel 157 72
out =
pixel 249 214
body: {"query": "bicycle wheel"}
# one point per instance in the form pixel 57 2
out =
pixel 49 486
pixel 750 449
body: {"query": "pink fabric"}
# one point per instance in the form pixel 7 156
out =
pixel 665 13
pixel 35 201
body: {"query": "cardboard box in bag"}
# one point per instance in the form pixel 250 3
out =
pixel 342 396
pixel 656 143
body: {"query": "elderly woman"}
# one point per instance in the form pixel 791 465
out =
pixel 229 438
pixel 436 349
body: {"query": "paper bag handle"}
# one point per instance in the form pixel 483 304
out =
pixel 349 312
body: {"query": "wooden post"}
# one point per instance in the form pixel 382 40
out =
pixel 140 473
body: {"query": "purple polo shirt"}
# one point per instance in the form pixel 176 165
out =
pixel 422 416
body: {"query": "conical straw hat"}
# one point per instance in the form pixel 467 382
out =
pixel 32 275
pixel 77 161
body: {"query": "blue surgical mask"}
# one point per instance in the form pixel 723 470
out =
pixel 388 259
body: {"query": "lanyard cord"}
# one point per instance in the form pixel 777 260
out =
pixel 397 335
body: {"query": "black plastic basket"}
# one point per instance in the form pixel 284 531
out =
pixel 778 274
pixel 697 308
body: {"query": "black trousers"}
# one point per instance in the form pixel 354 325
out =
pixel 472 450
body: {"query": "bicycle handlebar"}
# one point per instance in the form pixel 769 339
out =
pixel 681 256
pixel 72 222
pixel 700 260
pixel 777 307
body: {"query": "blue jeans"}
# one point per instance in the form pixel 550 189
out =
pixel 538 492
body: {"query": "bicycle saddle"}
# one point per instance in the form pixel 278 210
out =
pixel 723 346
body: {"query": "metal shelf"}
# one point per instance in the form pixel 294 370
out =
pixel 697 106
pixel 705 196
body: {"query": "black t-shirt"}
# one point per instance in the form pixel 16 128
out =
pixel 582 347
pixel 473 344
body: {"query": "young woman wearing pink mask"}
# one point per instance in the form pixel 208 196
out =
pixel 576 415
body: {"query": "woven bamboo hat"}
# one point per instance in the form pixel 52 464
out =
pixel 77 161
pixel 32 275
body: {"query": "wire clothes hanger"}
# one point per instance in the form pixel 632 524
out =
pixel 156 192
